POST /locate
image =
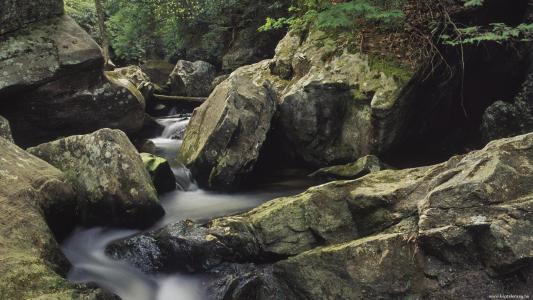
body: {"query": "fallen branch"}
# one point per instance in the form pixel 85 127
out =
pixel 180 99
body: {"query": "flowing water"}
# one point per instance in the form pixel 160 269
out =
pixel 85 248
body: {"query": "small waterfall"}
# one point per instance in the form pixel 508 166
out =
pixel 85 248
pixel 168 145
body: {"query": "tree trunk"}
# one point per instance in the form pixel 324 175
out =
pixel 103 30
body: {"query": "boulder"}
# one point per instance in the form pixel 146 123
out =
pixel 453 230
pixel 504 119
pixel 225 134
pixel 161 250
pixel 160 172
pixel 193 79
pixel 335 105
pixel 17 13
pixel 62 91
pixel 34 196
pixel 363 166
pixel 114 186
pixel 5 129
pixel 329 114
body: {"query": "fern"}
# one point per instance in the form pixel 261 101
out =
pixel 342 16
pixel 497 32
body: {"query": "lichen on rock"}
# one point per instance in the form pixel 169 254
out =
pixel 114 186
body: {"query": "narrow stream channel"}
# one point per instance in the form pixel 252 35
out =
pixel 85 248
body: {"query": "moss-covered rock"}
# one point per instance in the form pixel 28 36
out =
pixel 16 13
pixel 335 106
pixel 457 229
pixel 225 134
pixel 32 193
pixel 365 165
pixel 114 186
pixel 160 172
pixel 327 112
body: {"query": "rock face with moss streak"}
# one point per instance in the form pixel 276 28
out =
pixel 32 192
pixel 114 186
pixel 460 229
pixel 225 134
pixel 53 84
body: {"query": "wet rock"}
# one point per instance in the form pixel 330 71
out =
pixel 160 172
pixel 456 229
pixel 17 13
pixel 363 166
pixel 115 188
pixel 225 134
pixel 182 246
pixel 33 196
pixel 245 281
pixel 192 79
pixel 62 91
pixel 5 129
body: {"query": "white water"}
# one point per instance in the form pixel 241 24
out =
pixel 85 248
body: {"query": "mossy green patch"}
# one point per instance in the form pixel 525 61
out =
pixel 391 67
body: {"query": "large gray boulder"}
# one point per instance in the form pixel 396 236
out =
pixel 53 85
pixel 17 13
pixel 33 196
pixel 114 186
pixel 460 229
pixel 192 79
pixel 330 112
pixel 225 134
pixel 335 106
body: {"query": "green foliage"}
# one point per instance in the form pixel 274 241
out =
pixel 342 16
pixel 84 13
pixel 497 32
pixel 141 29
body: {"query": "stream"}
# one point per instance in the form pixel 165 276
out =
pixel 85 248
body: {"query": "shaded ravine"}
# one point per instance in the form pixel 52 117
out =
pixel 85 248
